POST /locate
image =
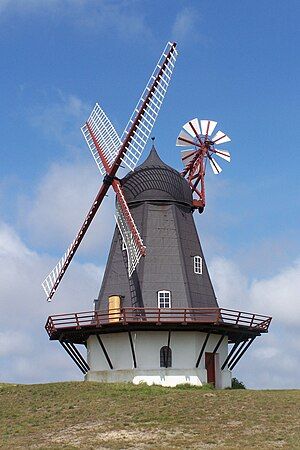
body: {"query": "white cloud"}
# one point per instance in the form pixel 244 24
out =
pixel 186 24
pixel 14 343
pixel 279 294
pixel 61 119
pixel 273 360
pixel 56 212
pixel 230 284
pixel 276 296
pixel 26 353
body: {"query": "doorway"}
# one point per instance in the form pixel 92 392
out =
pixel 210 366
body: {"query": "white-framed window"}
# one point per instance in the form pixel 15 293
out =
pixel 198 265
pixel 164 299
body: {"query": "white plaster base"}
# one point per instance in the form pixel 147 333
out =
pixel 185 346
pixel 162 377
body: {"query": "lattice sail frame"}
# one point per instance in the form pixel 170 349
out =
pixel 132 240
pixel 114 151
pixel 106 136
pixel 50 281
pixel 150 107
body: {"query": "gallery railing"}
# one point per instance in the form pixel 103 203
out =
pixel 217 316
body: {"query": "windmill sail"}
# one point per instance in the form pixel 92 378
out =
pixel 102 138
pixel 133 243
pixel 98 129
pixel 49 283
pixel 140 124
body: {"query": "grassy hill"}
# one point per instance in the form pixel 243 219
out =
pixel 105 416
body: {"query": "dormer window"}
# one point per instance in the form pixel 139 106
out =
pixel 164 299
pixel 198 265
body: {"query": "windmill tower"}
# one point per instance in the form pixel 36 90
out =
pixel 156 319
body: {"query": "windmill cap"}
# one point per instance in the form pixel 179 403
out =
pixel 155 181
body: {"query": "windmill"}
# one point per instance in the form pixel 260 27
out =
pixel 109 151
pixel 198 134
pixel 159 321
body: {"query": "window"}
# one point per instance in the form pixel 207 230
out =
pixel 198 264
pixel 165 356
pixel 164 299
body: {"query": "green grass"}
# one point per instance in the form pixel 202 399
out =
pixel 123 416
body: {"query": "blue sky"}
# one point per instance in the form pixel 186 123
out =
pixel 238 64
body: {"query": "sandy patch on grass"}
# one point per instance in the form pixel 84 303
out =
pixel 95 436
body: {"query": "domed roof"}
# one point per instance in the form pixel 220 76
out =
pixel 154 180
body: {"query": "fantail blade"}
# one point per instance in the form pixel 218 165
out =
pixel 184 139
pixel 192 127
pixel 215 166
pixel 223 154
pixel 187 156
pixel 207 127
pixel 220 138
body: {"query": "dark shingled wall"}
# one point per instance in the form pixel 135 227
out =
pixel 160 201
